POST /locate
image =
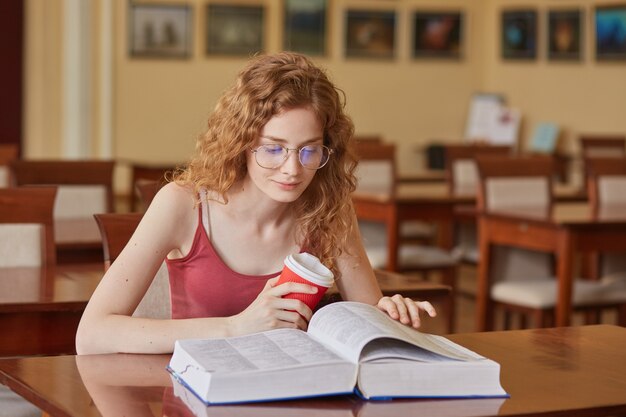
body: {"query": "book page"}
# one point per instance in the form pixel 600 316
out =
pixel 281 348
pixel 348 326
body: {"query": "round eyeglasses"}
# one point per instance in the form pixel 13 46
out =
pixel 274 155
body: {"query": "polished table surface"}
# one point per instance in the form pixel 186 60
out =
pixel 568 230
pixel 40 308
pixel 570 371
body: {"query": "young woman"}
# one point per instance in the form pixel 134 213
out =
pixel 271 176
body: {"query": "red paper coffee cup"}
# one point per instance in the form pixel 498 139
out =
pixel 307 269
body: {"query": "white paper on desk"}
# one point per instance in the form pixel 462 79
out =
pixel 483 110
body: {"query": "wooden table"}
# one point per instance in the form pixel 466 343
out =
pixel 40 307
pixel 428 202
pixel 574 372
pixel 424 201
pixel 570 229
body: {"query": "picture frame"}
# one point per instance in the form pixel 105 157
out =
pixel 305 26
pixel 610 27
pixel 519 34
pixel 370 34
pixel 437 34
pixel 565 34
pixel 234 29
pixel 160 31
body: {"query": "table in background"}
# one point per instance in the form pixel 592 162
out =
pixel 40 307
pixel 570 229
pixel 431 202
pixel 571 371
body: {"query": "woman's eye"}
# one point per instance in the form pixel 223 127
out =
pixel 273 149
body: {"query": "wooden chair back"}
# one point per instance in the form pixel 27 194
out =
pixel 376 169
pixel 146 190
pixel 66 172
pixel 606 182
pixel 28 206
pixel 9 152
pixel 116 230
pixel 603 145
pixel 460 165
pixel 144 173
pixel 515 182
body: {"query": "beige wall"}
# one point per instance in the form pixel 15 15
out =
pixel 160 106
pixel 582 97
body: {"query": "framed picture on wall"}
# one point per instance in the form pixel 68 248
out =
pixel 370 34
pixel 234 29
pixel 159 31
pixel 565 34
pixel 610 27
pixel 305 26
pixel 519 34
pixel 437 34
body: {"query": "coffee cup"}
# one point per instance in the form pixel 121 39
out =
pixel 307 269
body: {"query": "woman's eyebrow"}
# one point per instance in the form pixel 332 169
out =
pixel 315 139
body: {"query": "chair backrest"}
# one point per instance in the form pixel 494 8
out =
pixel 73 173
pixel 141 173
pixel 83 188
pixel 146 190
pixel 8 153
pixel 515 182
pixel 116 230
pixel 376 169
pixel 26 226
pixel 460 164
pixel 603 145
pixel 606 182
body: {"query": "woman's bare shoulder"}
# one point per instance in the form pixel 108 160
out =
pixel 173 196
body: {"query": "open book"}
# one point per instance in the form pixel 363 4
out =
pixel 347 346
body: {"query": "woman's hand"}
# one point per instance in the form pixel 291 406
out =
pixel 405 310
pixel 270 311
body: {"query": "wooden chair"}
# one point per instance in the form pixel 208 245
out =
pixel 26 240
pixel 84 188
pixel 26 226
pixel 600 146
pixel 526 284
pixel 377 171
pixel 146 190
pixel 607 196
pixel 462 179
pixel 116 230
pixel 8 154
pixel 145 173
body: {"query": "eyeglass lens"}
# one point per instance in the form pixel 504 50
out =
pixel 310 156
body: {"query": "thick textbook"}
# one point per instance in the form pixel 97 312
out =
pixel 348 347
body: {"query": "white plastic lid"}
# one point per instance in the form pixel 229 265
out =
pixel 309 267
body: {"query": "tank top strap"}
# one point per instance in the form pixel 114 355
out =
pixel 204 212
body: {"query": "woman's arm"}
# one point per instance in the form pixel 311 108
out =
pixel 358 283
pixel 168 226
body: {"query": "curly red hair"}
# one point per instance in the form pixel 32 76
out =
pixel 269 85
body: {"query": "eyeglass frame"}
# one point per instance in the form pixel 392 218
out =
pixel 298 149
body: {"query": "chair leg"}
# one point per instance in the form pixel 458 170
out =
pixel 506 325
pixel 592 316
pixel 621 315
pixel 449 278
pixel 523 321
pixel 539 317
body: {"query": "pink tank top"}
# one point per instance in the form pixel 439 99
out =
pixel 202 285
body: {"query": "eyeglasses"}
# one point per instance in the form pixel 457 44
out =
pixel 274 155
